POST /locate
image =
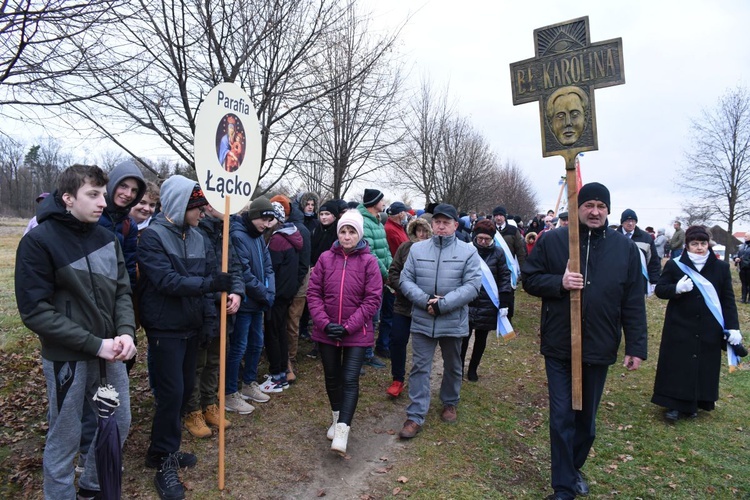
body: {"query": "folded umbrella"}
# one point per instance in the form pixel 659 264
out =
pixel 108 449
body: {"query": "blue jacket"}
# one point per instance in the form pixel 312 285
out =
pixel 175 269
pixel 257 271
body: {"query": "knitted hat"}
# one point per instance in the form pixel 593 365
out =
pixel 330 206
pixel 628 214
pixel 697 233
pixel 500 210
pixel 593 191
pixel 353 219
pixel 278 211
pixel 446 210
pixel 260 207
pixel 484 226
pixel 396 208
pixel 196 198
pixel 41 197
pixel 284 201
pixel 352 204
pixel 371 197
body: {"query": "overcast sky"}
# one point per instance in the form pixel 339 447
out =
pixel 679 57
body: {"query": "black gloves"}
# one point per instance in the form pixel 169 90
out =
pixel 222 282
pixel 336 332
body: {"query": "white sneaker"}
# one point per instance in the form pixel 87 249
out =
pixel 252 392
pixel 269 386
pixel 332 429
pixel 340 438
pixel 235 403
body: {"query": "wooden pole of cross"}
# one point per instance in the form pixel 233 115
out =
pixel 562 78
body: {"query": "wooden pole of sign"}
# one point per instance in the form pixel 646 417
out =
pixel 574 265
pixel 223 340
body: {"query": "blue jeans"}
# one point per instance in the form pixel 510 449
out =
pixel 386 321
pixel 246 341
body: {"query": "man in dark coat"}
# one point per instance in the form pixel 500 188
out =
pixel 645 243
pixel 612 298
pixel 515 242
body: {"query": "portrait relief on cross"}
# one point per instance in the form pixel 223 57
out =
pixel 562 77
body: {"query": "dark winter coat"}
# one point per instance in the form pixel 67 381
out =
pixel 71 285
pixel 322 238
pixel 305 255
pixel 482 312
pixel 515 241
pixel 401 304
pixel 212 230
pixel 257 271
pixel 646 244
pixel 345 289
pixel 175 271
pixel 311 220
pixel 285 247
pixel 692 339
pixel 611 301
pixel 118 220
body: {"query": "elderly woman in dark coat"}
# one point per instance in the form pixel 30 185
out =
pixel 482 312
pixel 687 376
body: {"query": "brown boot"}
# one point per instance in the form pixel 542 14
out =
pixel 196 425
pixel 211 415
pixel 449 414
pixel 410 429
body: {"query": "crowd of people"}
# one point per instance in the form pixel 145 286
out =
pixel 108 254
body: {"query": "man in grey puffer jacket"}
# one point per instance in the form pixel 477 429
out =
pixel 441 276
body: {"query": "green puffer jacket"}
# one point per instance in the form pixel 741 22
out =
pixel 375 236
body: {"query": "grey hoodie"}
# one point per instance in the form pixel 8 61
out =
pixel 122 171
pixel 175 195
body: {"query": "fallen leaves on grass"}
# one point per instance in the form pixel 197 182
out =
pixel 402 479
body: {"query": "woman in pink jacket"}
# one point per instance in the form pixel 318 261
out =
pixel 344 294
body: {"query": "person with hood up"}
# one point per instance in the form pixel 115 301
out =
pixel 125 189
pixel 344 294
pixel 81 314
pixel 284 248
pixel 308 203
pixel 482 311
pixel 417 230
pixel 176 287
pixel 687 374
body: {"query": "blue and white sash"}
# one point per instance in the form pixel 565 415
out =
pixel 712 302
pixel 504 327
pixel 510 260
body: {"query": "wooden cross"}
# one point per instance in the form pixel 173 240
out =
pixel 562 77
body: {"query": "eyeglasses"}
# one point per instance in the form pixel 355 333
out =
pixel 483 239
pixel 697 243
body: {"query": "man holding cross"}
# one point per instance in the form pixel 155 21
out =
pixel 611 284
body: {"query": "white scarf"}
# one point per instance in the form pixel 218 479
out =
pixel 698 260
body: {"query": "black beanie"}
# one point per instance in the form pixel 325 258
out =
pixel 628 214
pixel 500 210
pixel 594 191
pixel 371 197
pixel 260 207
pixel 330 206
pixel 699 233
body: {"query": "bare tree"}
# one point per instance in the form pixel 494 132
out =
pixel 510 187
pixel 416 159
pixel 719 160
pixel 696 213
pixel 44 40
pixel 353 123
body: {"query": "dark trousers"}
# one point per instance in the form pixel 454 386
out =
pixel 173 374
pixel 341 366
pixel 480 343
pixel 745 280
pixel 383 342
pixel 400 331
pixel 274 337
pixel 571 432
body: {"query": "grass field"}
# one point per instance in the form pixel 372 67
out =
pixel 498 449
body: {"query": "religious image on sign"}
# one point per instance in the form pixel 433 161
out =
pixel 567 114
pixel 230 142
